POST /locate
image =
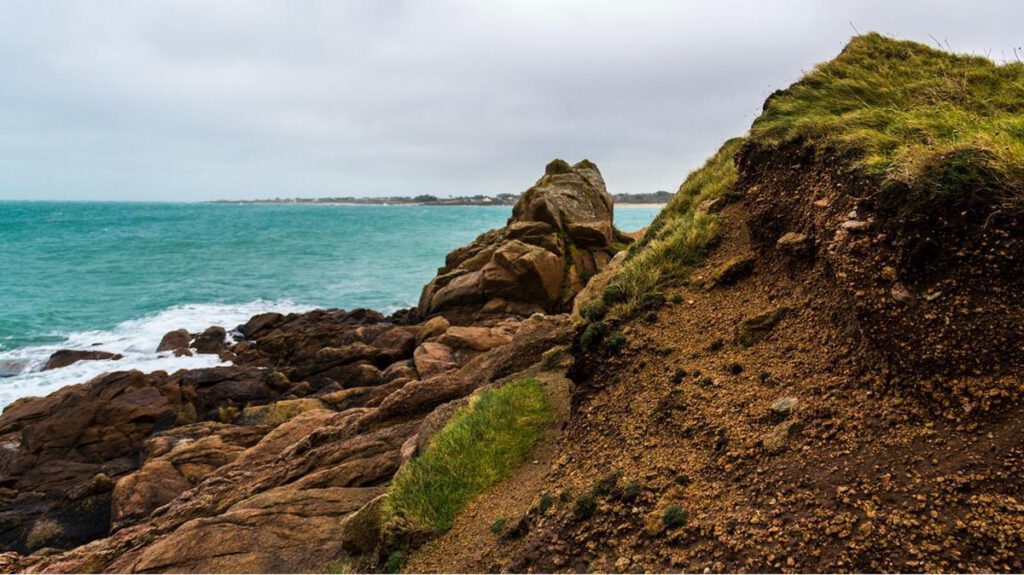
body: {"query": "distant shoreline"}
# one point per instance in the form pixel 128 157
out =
pixel 442 204
pixel 650 200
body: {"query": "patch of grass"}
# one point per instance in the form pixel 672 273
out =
pixel 606 484
pixel 617 341
pixel 585 507
pixel 674 516
pixel 631 491
pixel 942 127
pixel 546 501
pixel 481 445
pixel 594 311
pixel 498 525
pixel 593 334
pixel 395 562
pixel 677 239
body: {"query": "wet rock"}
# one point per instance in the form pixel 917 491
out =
pixel 11 367
pixel 66 357
pixel 211 340
pixel 174 341
pixel 260 325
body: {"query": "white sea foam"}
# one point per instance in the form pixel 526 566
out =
pixel 136 340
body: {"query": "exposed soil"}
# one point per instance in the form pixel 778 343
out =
pixel 793 442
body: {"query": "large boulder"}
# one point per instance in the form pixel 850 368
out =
pixel 66 357
pixel 560 234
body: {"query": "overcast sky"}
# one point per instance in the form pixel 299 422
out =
pixel 199 100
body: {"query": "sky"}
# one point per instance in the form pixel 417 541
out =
pixel 192 100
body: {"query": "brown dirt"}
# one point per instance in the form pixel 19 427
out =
pixel 866 473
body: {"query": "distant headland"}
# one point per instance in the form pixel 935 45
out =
pixel 660 197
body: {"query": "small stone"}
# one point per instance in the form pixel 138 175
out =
pixel 621 564
pixel 732 270
pixel 889 273
pixel 791 239
pixel 900 293
pixel 784 405
pixel 712 206
pixel 855 225
pixel 777 439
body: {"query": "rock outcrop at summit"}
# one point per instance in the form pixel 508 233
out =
pixel 560 234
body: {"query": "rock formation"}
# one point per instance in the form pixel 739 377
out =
pixel 266 464
pixel 560 234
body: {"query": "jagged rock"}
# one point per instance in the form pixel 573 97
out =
pixel 260 325
pixel 478 338
pixel 560 232
pixel 432 328
pixel 277 412
pixel 395 343
pixel 777 439
pixel 66 357
pixel 361 531
pixel 175 341
pixel 272 532
pixel 399 369
pixel 211 340
pixel 433 358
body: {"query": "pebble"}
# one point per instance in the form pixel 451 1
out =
pixel 784 405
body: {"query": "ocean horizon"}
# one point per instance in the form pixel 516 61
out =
pixel 116 276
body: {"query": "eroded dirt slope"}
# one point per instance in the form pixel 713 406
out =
pixel 768 411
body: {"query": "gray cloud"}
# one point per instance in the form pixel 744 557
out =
pixel 195 100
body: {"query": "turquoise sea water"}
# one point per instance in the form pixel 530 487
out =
pixel 117 276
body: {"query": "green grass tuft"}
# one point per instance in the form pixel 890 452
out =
pixel 586 506
pixel 498 525
pixel 482 445
pixel 674 516
pixel 677 239
pixel 631 491
pixel 395 562
pixel 546 501
pixel 935 126
pixel 617 341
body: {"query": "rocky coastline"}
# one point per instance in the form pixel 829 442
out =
pixel 275 462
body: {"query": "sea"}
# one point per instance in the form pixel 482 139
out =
pixel 117 276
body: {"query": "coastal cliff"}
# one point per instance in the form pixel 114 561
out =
pixel 810 362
